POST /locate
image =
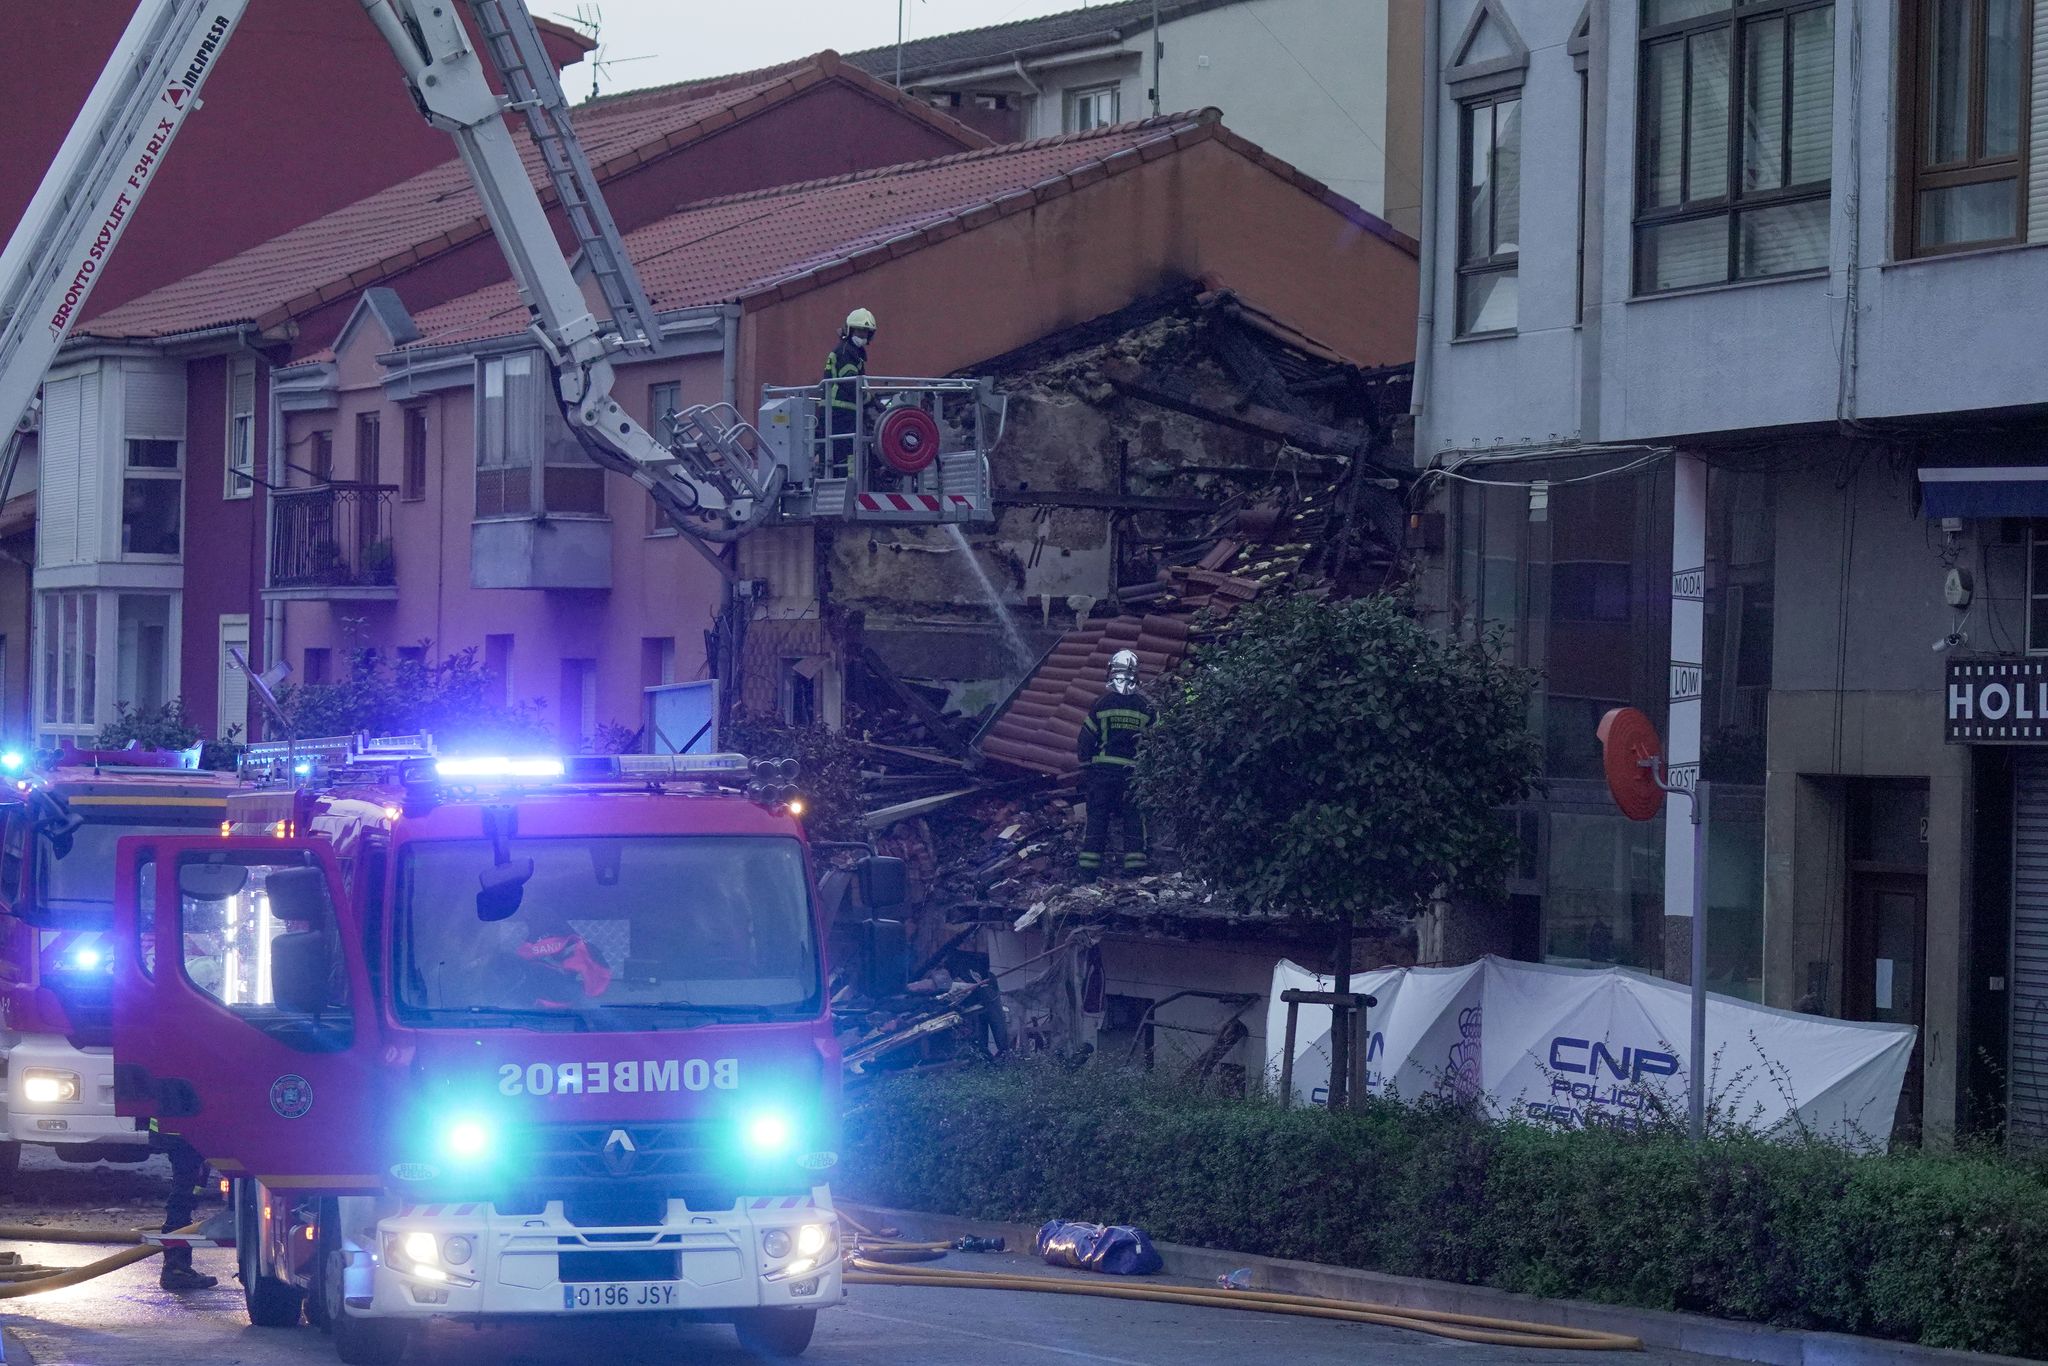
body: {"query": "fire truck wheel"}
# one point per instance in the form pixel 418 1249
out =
pixel 10 1165
pixel 270 1302
pixel 779 1334
pixel 357 1341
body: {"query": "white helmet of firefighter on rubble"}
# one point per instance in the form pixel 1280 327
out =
pixel 860 325
pixel 1123 672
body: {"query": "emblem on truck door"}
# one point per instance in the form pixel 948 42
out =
pixel 620 1153
pixel 291 1096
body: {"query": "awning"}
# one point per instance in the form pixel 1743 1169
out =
pixel 1980 491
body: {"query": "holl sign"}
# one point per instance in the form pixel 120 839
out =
pixel 1997 702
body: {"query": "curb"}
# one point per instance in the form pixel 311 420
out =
pixel 1665 1330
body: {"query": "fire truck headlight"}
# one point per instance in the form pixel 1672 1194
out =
pixel 775 1242
pixel 768 1134
pixel 456 1251
pixel 810 1239
pixel 421 1247
pixel 48 1086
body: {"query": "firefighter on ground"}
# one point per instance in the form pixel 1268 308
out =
pixel 1108 749
pixel 188 1183
pixel 844 366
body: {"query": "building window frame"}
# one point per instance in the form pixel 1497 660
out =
pixel 239 475
pixel 320 456
pixel 1726 197
pixel 369 447
pixel 1920 173
pixel 2037 588
pixel 1494 262
pixel 142 464
pixel 413 477
pixel 1086 103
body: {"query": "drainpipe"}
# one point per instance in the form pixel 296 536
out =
pixel 274 446
pixel 1155 58
pixel 1425 312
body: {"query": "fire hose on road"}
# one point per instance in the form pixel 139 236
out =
pixel 34 1280
pixel 875 1260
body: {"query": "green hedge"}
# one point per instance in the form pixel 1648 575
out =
pixel 1946 1250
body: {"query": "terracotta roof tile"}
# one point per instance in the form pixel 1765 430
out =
pixel 790 238
pixel 367 241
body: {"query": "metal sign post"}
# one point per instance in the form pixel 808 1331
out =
pixel 1637 778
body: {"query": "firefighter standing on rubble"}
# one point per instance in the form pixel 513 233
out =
pixel 1108 749
pixel 845 364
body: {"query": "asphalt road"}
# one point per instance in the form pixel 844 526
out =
pixel 123 1319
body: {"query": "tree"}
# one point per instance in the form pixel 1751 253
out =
pixel 455 698
pixel 1336 760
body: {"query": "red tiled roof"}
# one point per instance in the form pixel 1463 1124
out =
pixel 1042 721
pixel 373 238
pixel 795 237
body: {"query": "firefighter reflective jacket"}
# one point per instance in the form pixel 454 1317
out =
pixel 1110 735
pixel 843 363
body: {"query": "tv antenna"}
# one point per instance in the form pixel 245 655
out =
pixel 589 20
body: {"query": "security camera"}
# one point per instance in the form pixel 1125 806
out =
pixel 1949 641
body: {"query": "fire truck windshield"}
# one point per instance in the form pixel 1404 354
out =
pixel 79 887
pixel 612 933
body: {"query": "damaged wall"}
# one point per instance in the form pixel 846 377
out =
pixel 1069 430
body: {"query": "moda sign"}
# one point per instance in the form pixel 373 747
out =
pixel 1997 702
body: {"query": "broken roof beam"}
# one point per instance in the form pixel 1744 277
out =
pixel 1089 498
pixel 1180 397
pixel 926 715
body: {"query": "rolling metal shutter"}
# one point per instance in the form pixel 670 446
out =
pixel 2027 1067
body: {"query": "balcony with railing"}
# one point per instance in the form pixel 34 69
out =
pixel 333 541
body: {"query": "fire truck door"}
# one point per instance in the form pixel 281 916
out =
pixel 243 1018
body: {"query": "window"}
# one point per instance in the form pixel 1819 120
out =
pixel 234 683
pixel 1489 213
pixel 321 458
pixel 1965 143
pixel 70 659
pixel 369 443
pixel 142 649
pixel 662 399
pixel 152 497
pixel 1092 108
pixel 1736 138
pixel 415 486
pixel 657 660
pixel 579 700
pixel 241 462
pixel 256 933
pixel 508 436
pixel 2037 589
pixel 498 664
pixel 319 666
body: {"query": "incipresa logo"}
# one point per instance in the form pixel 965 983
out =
pixel 607 1077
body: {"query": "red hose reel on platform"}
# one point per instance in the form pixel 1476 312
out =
pixel 907 439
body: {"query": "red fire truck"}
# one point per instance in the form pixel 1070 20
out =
pixel 58 828
pixel 498 1036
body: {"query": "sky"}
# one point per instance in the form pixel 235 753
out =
pixel 677 40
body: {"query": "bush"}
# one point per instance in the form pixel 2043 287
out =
pixel 167 727
pixel 455 698
pixel 1946 1250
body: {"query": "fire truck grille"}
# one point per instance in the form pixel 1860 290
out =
pixel 691 1161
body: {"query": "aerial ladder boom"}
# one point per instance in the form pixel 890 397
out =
pixel 712 472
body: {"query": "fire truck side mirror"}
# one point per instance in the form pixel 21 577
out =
pixel 885 957
pixel 299 895
pixel 881 883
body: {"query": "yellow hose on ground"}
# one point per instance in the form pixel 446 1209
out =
pixel 1462 1327
pixel 59 1278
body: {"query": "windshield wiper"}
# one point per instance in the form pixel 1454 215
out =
pixel 744 1012
pixel 567 1019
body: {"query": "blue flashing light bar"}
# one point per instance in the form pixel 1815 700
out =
pixel 678 765
pixel 13 761
pixel 499 766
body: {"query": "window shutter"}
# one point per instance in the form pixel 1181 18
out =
pixel 153 401
pixel 63 456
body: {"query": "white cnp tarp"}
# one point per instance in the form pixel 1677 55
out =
pixel 1579 1046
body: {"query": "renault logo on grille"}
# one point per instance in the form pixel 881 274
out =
pixel 620 1152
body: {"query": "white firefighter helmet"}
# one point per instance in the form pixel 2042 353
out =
pixel 860 320
pixel 1123 671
